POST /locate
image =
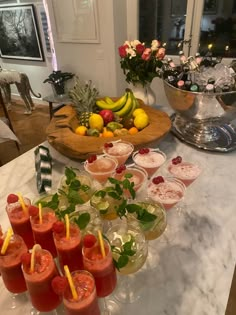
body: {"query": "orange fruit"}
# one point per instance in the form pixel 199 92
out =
pixel 81 130
pixel 107 133
pixel 133 130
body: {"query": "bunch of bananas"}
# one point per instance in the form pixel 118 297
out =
pixel 123 107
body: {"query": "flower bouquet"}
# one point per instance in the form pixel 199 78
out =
pixel 141 62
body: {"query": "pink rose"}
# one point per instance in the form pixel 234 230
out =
pixel 122 51
pixel 146 54
pixel 161 53
pixel 140 48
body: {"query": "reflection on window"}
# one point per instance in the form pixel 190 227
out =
pixel 218 28
pixel 163 20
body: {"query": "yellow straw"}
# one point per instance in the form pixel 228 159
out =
pixel 67 226
pixel 32 260
pixel 101 243
pixel 40 214
pixel 22 203
pixel 71 283
pixel 6 241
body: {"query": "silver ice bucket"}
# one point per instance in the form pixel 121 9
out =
pixel 207 121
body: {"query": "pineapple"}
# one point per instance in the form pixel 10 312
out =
pixel 83 96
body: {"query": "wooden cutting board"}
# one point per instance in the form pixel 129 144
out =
pixel 61 136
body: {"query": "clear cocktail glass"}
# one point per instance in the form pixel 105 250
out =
pixel 38 282
pixel 87 302
pixel 102 268
pixel 149 159
pixel 69 249
pixel 42 231
pixel 185 171
pixel 10 269
pixel 130 250
pixel 120 150
pixel 149 216
pixel 87 218
pixel 101 167
pixel 20 221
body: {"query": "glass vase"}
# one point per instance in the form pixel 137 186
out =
pixel 145 93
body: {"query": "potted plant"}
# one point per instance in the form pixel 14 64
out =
pixel 57 79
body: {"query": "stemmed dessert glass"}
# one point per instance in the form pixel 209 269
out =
pixel 130 250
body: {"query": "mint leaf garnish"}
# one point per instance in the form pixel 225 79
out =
pixel 83 220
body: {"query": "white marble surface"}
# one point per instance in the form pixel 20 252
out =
pixel 189 273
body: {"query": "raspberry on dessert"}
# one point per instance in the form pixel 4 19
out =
pixel 33 211
pixel 157 180
pixel 120 169
pixel 58 227
pixel 177 160
pixel 12 198
pixel 108 145
pixel 25 259
pixel 59 284
pixel 144 151
pixel 89 240
pixel 92 158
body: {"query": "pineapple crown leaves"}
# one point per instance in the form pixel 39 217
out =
pixel 83 95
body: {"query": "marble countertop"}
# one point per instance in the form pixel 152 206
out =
pixel 190 270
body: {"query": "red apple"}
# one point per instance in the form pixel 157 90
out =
pixel 107 115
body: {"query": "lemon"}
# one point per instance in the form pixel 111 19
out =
pixel 138 111
pixel 81 130
pixel 96 122
pixel 141 121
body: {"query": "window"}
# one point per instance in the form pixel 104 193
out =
pixel 198 25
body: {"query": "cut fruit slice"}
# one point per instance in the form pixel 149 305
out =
pixel 103 206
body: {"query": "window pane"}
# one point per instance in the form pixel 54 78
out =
pixel 163 20
pixel 218 28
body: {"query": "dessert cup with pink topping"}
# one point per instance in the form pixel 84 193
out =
pixel 120 150
pixel 185 171
pixel 166 190
pixel 149 159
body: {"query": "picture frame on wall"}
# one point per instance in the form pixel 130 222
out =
pixel 19 35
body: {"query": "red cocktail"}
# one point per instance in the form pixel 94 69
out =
pixel 38 281
pixel 42 231
pixel 10 265
pixel 69 250
pixel 87 303
pixel 102 268
pixel 20 221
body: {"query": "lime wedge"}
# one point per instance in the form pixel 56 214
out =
pixel 126 238
pixel 96 200
pixel 103 205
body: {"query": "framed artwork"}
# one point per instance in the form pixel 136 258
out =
pixel 210 7
pixel 83 17
pixel 19 37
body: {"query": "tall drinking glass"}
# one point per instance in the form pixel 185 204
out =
pixel 69 250
pixel 20 221
pixel 10 268
pixel 38 281
pixel 87 302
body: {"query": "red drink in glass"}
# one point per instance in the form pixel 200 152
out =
pixel 38 282
pixel 101 168
pixel 150 161
pixel 43 234
pixel 20 221
pixel 102 268
pixel 87 303
pixel 120 150
pixel 10 265
pixel 69 251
